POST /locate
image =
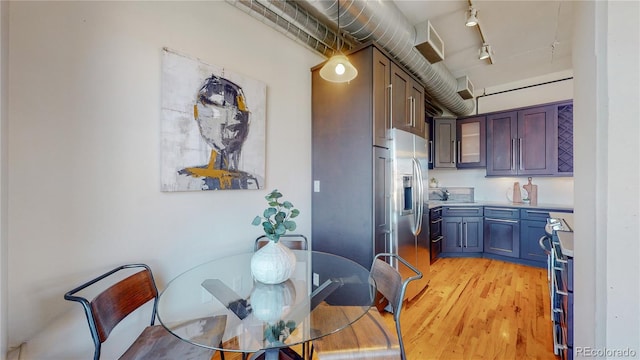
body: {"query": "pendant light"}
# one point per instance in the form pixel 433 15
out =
pixel 338 68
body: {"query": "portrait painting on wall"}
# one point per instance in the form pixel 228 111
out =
pixel 212 127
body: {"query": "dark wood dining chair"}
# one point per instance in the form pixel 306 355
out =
pixel 122 298
pixel 292 241
pixel 369 337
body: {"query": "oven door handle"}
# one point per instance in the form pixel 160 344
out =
pixel 547 250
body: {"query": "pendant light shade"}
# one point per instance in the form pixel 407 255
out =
pixel 338 69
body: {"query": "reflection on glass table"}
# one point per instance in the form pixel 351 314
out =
pixel 221 296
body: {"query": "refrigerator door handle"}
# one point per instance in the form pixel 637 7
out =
pixel 419 204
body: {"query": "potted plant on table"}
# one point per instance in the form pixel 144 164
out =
pixel 274 263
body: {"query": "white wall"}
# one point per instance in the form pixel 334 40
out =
pixel 551 190
pixel 84 116
pixel 607 172
pixel 4 66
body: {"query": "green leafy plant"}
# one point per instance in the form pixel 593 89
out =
pixel 279 332
pixel 276 219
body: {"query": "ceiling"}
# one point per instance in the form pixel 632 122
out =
pixel 522 35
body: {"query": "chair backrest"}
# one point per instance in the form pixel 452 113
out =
pixel 113 304
pixel 390 284
pixel 292 241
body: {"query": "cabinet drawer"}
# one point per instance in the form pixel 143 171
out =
pixel 531 214
pixel 435 212
pixel 501 213
pixel 461 211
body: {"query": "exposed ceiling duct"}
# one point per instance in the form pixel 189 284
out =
pixel 378 21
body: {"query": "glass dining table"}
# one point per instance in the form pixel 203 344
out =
pixel 218 304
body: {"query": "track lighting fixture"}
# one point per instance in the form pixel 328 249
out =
pixel 472 19
pixel 338 68
pixel 485 51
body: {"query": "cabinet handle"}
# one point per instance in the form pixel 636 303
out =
pixel 459 153
pixel 436 221
pixel 413 111
pixel 513 154
pixel 466 235
pixel 520 153
pixel 453 153
pixel 502 220
pixel 390 105
pixel 453 209
pixel 430 151
pixel 438 239
pixel 460 235
pixel 537 212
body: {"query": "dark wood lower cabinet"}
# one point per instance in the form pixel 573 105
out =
pixel 462 234
pixel 530 234
pixel 502 237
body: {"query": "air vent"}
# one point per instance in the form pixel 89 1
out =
pixel 429 43
pixel 465 87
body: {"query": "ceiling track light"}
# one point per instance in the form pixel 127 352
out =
pixel 472 19
pixel 485 52
pixel 338 68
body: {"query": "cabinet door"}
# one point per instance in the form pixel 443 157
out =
pixel 400 87
pixel 472 234
pixel 428 131
pixel 445 139
pixel 381 202
pixel 381 105
pixel 407 104
pixel 502 237
pixel 416 103
pixel 452 232
pixel 502 132
pixel 537 141
pixel 530 234
pixel 471 147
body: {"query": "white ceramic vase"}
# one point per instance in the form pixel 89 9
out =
pixel 273 263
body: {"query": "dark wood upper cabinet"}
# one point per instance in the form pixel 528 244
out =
pixel 444 143
pixel 471 142
pixel 381 77
pixel 407 102
pixel 523 142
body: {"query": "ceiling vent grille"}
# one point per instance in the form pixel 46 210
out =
pixel 465 87
pixel 429 43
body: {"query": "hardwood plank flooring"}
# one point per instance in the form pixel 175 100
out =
pixel 477 309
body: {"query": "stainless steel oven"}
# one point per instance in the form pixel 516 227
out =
pixel 557 275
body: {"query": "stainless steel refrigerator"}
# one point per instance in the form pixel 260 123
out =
pixel 409 207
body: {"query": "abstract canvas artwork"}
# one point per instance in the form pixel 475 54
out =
pixel 213 127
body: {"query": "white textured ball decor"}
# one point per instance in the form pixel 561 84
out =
pixel 273 263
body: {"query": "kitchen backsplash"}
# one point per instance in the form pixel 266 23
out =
pixel 452 194
pixel 551 190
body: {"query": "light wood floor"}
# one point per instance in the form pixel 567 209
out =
pixel 477 309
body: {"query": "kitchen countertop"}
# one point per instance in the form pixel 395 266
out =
pixel 565 237
pixel 436 203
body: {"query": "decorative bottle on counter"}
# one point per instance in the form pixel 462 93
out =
pixel 532 190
